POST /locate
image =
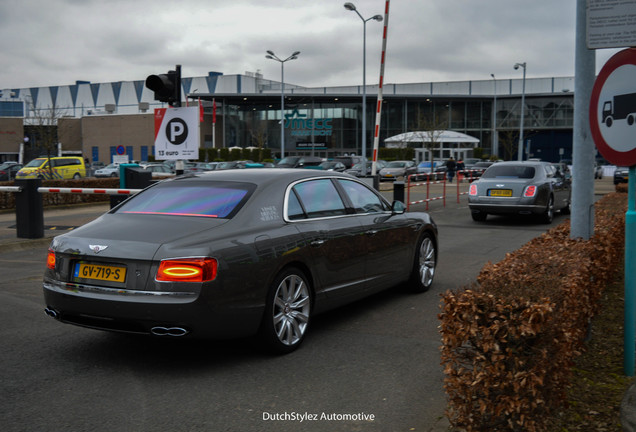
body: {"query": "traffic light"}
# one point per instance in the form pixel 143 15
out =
pixel 167 87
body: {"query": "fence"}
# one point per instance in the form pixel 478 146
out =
pixel 431 179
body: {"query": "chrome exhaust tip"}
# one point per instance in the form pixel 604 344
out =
pixel 51 312
pixel 169 331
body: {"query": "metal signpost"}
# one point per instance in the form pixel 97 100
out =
pixel 612 117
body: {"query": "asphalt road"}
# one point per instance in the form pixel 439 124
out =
pixel 371 366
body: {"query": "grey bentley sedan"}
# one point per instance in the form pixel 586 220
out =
pixel 225 254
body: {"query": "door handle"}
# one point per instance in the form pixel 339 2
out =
pixel 371 232
pixel 318 242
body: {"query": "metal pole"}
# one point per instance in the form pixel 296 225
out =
pixel 270 55
pixel 351 7
pixel 629 359
pixel 282 110
pixel 364 89
pixel 583 151
pixel 494 150
pixel 523 105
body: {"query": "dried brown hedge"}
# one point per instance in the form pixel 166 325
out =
pixel 508 341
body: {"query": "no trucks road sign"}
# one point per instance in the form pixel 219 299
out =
pixel 613 109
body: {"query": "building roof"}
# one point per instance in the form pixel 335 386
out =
pixel 439 136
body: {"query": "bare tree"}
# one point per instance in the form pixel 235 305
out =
pixel 429 129
pixel 43 124
pixel 509 140
pixel 259 137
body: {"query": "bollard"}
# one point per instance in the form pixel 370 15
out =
pixel 29 211
pixel 398 191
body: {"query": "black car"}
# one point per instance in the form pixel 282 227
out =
pixel 226 254
pixel 8 170
pixel 520 188
pixel 621 175
pixel 299 162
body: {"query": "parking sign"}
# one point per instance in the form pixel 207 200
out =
pixel 177 133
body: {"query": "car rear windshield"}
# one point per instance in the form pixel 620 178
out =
pixel 202 199
pixel 509 171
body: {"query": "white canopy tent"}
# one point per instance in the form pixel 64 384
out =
pixel 451 143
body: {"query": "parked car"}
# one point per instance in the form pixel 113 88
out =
pixel 397 169
pixel 94 166
pixel 621 175
pixel 196 167
pixel 332 166
pixel 362 169
pixel 158 170
pixel 227 254
pixel 55 168
pixel 520 188
pixel 598 171
pixel 8 170
pixel 111 170
pixel 424 171
pixel 478 169
pixel 350 161
pixel 299 162
pixel 233 165
pixel 563 169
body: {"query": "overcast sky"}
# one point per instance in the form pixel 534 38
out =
pixel 57 42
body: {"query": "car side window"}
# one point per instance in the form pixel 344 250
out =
pixel 362 198
pixel 320 198
pixel 550 171
pixel 294 209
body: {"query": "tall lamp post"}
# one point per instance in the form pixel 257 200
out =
pixel 272 56
pixel 495 147
pixel 523 105
pixel 351 7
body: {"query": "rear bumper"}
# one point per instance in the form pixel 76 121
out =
pixel 507 208
pixel 143 312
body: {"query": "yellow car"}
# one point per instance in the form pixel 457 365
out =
pixel 55 168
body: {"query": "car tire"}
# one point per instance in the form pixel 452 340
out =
pixel 287 312
pixel 548 214
pixel 424 265
pixel 478 215
pixel 77 176
pixel 567 209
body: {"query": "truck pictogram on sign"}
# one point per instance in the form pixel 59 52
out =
pixel 620 107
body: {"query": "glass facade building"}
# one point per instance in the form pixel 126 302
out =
pixel 323 121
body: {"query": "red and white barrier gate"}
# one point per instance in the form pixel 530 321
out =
pixel 89 191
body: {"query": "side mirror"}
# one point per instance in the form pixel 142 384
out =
pixel 398 207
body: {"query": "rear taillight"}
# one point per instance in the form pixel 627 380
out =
pixel 473 190
pixel 530 191
pixel 187 270
pixel 50 260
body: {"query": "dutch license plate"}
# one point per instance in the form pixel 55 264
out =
pixel 501 192
pixel 100 272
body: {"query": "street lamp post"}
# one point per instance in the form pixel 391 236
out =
pixel 523 105
pixel 272 56
pixel 351 7
pixel 495 147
